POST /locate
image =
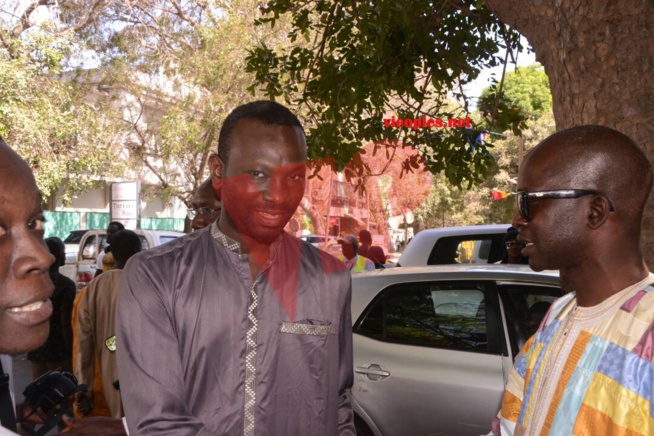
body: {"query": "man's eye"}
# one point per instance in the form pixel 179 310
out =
pixel 37 223
pixel 257 174
pixel 296 177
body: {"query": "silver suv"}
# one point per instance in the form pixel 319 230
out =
pixel 433 346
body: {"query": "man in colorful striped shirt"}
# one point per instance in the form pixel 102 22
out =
pixel 588 369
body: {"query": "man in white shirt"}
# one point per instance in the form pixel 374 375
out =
pixel 25 286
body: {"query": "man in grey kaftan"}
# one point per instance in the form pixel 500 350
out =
pixel 211 342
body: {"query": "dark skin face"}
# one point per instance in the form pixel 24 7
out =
pixel 348 250
pixel 261 185
pixel 110 231
pixel 580 237
pixel 25 286
pixel 515 252
pixel 205 197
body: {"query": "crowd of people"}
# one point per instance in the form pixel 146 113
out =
pixel 241 328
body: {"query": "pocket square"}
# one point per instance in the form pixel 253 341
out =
pixel 306 328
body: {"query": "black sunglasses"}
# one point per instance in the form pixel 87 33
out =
pixel 524 197
pixel 510 244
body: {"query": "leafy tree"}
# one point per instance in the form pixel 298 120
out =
pixel 597 55
pixel 180 67
pixel 64 135
pixel 351 64
pixel 521 96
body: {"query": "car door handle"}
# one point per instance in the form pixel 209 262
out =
pixel 373 371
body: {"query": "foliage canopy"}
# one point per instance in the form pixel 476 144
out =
pixel 350 64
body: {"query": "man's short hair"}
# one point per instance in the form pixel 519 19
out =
pixel 265 111
pixel 58 249
pixel 511 233
pixel 365 237
pixel 125 244
pixel 116 224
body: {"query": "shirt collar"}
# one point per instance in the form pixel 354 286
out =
pixel 224 240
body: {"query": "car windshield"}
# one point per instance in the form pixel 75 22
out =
pixel 74 237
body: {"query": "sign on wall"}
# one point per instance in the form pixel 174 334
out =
pixel 125 199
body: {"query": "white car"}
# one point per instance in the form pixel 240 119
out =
pixel 452 245
pixel 318 241
pixel 72 245
pixel 95 240
pixel 433 346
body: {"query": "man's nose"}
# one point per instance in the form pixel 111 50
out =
pixel 517 221
pixel 276 190
pixel 32 255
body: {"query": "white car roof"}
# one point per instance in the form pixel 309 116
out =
pixel 420 247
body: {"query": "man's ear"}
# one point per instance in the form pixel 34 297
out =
pixel 598 212
pixel 216 170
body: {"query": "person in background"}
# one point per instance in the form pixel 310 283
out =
pixel 350 256
pixel 81 408
pixel 372 252
pixel 97 325
pixel 105 260
pixel 513 248
pixel 56 353
pixel 205 206
pixel 588 368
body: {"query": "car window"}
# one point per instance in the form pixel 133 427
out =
pixel 526 307
pixel 430 314
pixel 74 237
pixel 88 252
pixel 467 249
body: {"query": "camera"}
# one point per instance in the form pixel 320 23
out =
pixel 50 390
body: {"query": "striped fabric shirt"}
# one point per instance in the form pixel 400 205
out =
pixel 586 371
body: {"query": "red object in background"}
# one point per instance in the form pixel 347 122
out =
pixel 499 195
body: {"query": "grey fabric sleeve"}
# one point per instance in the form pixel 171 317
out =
pixel 151 375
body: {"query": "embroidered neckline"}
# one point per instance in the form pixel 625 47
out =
pixel 613 303
pixel 224 240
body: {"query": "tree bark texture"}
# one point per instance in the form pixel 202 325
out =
pixel 599 56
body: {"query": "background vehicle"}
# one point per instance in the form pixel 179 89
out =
pixel 72 244
pixel 433 346
pixel 451 245
pixel 317 240
pixel 95 240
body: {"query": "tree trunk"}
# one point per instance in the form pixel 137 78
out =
pixel 314 216
pixel 599 56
